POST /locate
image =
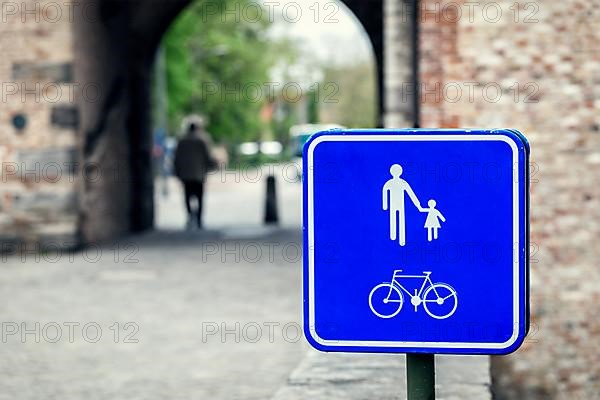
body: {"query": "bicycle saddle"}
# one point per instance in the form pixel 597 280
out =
pixel 427 272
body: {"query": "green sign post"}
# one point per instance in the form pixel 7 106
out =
pixel 420 376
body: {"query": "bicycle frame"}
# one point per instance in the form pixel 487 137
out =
pixel 426 283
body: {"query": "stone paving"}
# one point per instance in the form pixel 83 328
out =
pixel 382 377
pixel 186 328
pixel 211 314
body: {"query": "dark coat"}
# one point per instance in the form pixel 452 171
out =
pixel 193 159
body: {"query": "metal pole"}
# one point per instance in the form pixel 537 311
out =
pixel 420 376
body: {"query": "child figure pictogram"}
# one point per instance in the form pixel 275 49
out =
pixel 432 223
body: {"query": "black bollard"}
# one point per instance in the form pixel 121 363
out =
pixel 271 215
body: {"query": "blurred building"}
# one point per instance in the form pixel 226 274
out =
pixel 38 124
pixel 76 81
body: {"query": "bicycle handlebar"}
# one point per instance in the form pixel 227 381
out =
pixel 397 271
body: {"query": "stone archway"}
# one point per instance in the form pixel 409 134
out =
pixel 103 142
pixel 114 47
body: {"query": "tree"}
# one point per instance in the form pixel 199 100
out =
pixel 218 65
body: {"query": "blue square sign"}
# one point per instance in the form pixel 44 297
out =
pixel 416 241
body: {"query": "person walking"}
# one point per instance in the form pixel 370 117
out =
pixel 193 160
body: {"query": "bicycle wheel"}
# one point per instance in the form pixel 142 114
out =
pixel 385 300
pixel 440 301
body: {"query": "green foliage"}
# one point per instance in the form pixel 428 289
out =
pixel 217 65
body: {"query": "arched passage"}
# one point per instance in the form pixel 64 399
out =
pixel 115 42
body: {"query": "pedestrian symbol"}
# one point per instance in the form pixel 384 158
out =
pixel 394 192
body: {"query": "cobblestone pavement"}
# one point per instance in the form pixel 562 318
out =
pixel 323 376
pixel 206 330
pixel 195 315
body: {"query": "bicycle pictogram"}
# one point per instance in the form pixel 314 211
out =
pixel 438 299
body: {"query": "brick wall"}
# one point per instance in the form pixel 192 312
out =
pixel 535 68
pixel 398 63
pixel 37 178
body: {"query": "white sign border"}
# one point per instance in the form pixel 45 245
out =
pixel 311 234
